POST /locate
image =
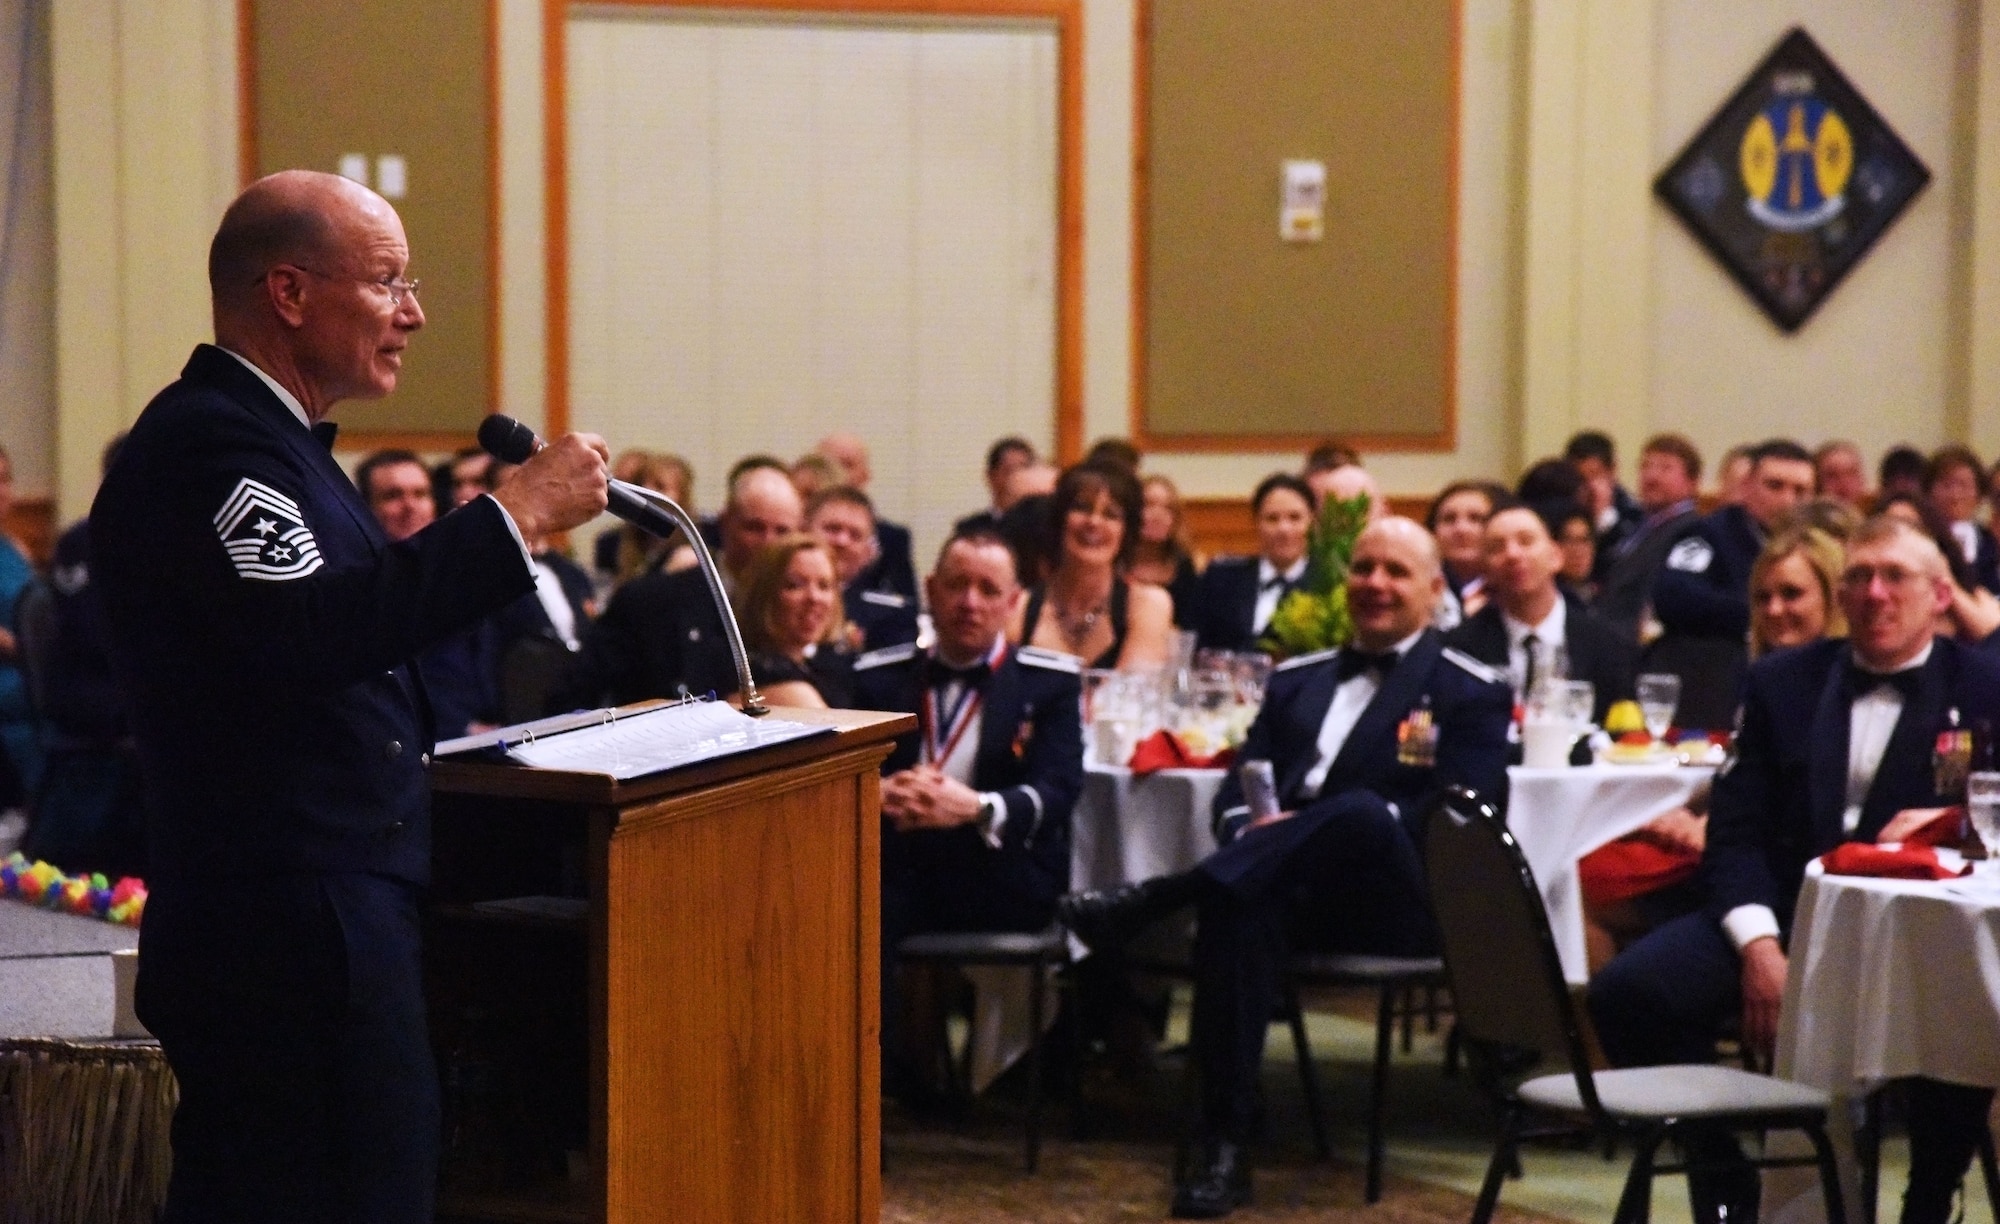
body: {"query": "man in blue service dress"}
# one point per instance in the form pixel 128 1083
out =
pixel 975 804
pixel 1358 739
pixel 262 625
pixel 1836 739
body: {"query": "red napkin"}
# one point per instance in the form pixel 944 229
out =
pixel 1163 750
pixel 1631 867
pixel 1903 863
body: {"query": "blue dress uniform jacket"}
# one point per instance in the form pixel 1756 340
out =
pixel 884 618
pixel 1225 605
pixel 263 653
pixel 1470 705
pixel 659 636
pixel 1704 587
pixel 1030 748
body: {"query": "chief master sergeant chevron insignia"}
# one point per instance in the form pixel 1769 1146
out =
pixel 265 535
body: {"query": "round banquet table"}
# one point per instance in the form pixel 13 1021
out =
pixel 1559 815
pixel 1129 827
pixel 1889 978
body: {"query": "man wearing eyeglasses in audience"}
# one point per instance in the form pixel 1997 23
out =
pixel 1835 740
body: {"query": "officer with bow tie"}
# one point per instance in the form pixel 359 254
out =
pixel 1358 739
pixel 976 803
pixel 1836 739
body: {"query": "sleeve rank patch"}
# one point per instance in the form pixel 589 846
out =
pixel 884 599
pixel 1054 660
pixel 1307 660
pixel 1473 666
pixel 901 653
pixel 1691 556
pixel 265 535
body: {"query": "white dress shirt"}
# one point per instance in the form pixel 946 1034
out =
pixel 555 603
pixel 1268 595
pixel 1549 648
pixel 1349 700
pixel 1871 720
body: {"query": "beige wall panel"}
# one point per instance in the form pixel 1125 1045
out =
pixel 27 249
pixel 779 229
pixel 522 274
pixel 1876 362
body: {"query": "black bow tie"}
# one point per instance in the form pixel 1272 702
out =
pixel 1353 662
pixel 938 673
pixel 1861 683
pixel 326 431
pixel 1276 583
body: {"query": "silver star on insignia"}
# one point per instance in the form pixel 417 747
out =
pixel 281 553
pixel 264 526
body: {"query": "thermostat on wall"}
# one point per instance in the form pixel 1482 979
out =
pixel 1302 211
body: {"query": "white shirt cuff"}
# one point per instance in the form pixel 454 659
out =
pixel 992 817
pixel 1748 923
pixel 513 529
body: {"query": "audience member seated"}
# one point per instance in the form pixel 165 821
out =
pixel 623 552
pixel 1669 477
pixel 1974 615
pixel 1086 607
pixel 1576 544
pixel 1239 594
pixel 465 478
pixel 89 812
pixel 1824 514
pixel 976 803
pixel 1457 518
pixel 1952 482
pixel 1614 512
pixel 844 520
pixel 1164 556
pixel 1025 523
pixel 791 624
pixel 1836 739
pixel 1345 483
pixel 1114 452
pixel 1358 739
pixel 1003 459
pixel 1900 472
pixel 562 604
pixel 1549 482
pixel 1648 877
pixel 1732 475
pixel 894 568
pixel 660 636
pixel 1841 473
pixel 1702 595
pixel 1530 630
pixel 1328 455
pixel 813 471
pixel 461 672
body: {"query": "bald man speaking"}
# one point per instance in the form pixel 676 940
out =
pixel 264 628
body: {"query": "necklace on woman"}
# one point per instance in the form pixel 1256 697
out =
pixel 1076 626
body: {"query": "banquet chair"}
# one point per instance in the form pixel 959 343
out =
pixel 1513 1007
pixel 1036 951
pixel 1868 1153
pixel 1393 978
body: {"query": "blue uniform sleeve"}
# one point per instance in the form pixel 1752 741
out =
pixel 1735 863
pixel 1472 742
pixel 1052 761
pixel 1698 591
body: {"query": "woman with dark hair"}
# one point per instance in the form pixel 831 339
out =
pixel 1239 594
pixel 1085 607
pixel 1164 556
pixel 1575 533
pixel 1952 484
pixel 1457 518
pixel 792 625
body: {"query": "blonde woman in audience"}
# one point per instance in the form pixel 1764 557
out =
pixel 1086 607
pixel 792 624
pixel 813 471
pixel 1164 556
pixel 1792 585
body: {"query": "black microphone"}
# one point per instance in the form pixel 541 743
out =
pixel 509 441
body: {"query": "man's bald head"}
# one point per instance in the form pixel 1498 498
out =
pixel 763 505
pixel 1408 534
pixel 849 452
pixel 1346 483
pixel 293 216
pixel 1393 582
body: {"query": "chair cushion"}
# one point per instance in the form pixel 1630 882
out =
pixel 1688 1090
pixel 1343 967
pixel 988 947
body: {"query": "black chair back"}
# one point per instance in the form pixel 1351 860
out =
pixel 1507 984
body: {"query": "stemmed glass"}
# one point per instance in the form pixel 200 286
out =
pixel 1659 695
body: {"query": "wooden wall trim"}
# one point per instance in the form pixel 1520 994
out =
pixel 1224 441
pixel 1068 18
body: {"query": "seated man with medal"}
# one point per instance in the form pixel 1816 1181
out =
pixel 1837 741
pixel 976 804
pixel 1357 740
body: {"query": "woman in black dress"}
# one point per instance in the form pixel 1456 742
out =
pixel 1086 608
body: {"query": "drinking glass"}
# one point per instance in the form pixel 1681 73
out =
pixel 1659 695
pixel 1982 803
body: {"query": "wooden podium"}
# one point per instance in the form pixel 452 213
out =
pixel 691 1034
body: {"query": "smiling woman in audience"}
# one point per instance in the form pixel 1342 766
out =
pixel 1239 594
pixel 791 618
pixel 1791 591
pixel 1086 608
pixel 1458 519
pixel 1164 557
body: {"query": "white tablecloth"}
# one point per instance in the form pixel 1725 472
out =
pixel 1560 815
pixel 1128 828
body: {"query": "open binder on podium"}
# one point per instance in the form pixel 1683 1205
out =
pixel 627 744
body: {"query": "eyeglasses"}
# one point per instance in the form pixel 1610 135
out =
pixel 395 286
pixel 1861 577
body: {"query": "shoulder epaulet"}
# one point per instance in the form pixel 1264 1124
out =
pixel 1473 665
pixel 1054 660
pixel 886 599
pixel 901 653
pixel 1306 660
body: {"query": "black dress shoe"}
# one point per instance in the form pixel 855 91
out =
pixel 1104 918
pixel 1217 1183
